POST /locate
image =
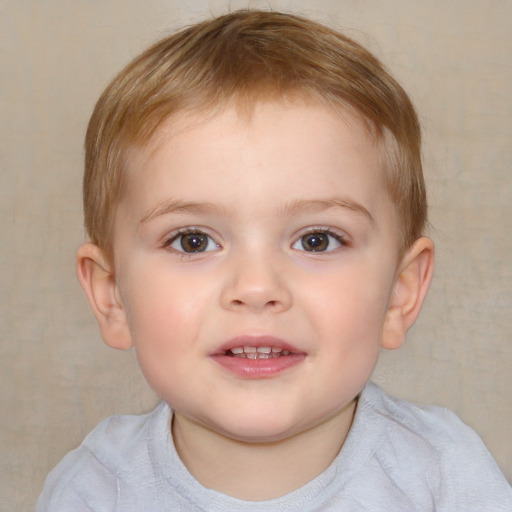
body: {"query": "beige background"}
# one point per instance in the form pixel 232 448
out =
pixel 57 380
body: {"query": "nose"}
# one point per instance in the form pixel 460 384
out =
pixel 256 284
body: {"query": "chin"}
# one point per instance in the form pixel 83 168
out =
pixel 251 428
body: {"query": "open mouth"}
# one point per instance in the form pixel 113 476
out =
pixel 257 357
pixel 257 352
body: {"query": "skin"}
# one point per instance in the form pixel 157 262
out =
pixel 258 188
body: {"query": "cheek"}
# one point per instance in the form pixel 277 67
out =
pixel 163 338
pixel 152 307
pixel 165 312
pixel 354 299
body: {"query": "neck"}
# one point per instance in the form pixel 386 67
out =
pixel 257 471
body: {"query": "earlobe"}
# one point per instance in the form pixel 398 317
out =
pixel 97 279
pixel 411 286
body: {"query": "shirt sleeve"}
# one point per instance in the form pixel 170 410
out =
pixel 79 483
pixel 471 479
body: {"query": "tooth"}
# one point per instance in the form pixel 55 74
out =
pixel 258 352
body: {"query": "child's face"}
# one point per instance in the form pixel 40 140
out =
pixel 296 250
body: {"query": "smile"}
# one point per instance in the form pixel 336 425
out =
pixel 257 352
pixel 257 357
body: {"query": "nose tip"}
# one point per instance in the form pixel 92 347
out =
pixel 256 286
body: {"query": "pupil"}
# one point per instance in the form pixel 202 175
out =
pixel 194 242
pixel 315 242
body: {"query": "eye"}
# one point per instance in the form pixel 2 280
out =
pixel 192 241
pixel 319 241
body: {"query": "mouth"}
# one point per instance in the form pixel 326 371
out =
pixel 257 357
pixel 248 352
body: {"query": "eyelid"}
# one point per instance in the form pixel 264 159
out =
pixel 338 235
pixel 175 234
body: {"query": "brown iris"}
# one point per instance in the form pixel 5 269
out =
pixel 194 242
pixel 315 242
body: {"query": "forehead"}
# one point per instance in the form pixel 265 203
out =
pixel 284 150
pixel 203 126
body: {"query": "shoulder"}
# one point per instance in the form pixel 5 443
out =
pixel 88 477
pixel 123 438
pixel 433 448
pixel 436 426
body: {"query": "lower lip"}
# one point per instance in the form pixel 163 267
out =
pixel 258 368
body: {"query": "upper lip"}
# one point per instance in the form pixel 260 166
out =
pixel 256 341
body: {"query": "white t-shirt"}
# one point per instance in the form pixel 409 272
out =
pixel 397 457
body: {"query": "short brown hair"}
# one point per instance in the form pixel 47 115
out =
pixel 246 56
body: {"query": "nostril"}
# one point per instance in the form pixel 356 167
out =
pixel 255 296
pixel 271 304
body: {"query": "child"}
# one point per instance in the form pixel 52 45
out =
pixel 254 197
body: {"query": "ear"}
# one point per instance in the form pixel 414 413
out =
pixel 411 286
pixel 97 279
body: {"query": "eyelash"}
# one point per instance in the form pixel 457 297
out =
pixel 188 231
pixel 339 238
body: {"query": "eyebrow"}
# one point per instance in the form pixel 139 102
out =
pixel 177 206
pixel 296 207
pixel 318 205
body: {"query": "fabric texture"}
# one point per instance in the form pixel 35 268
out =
pixel 397 457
